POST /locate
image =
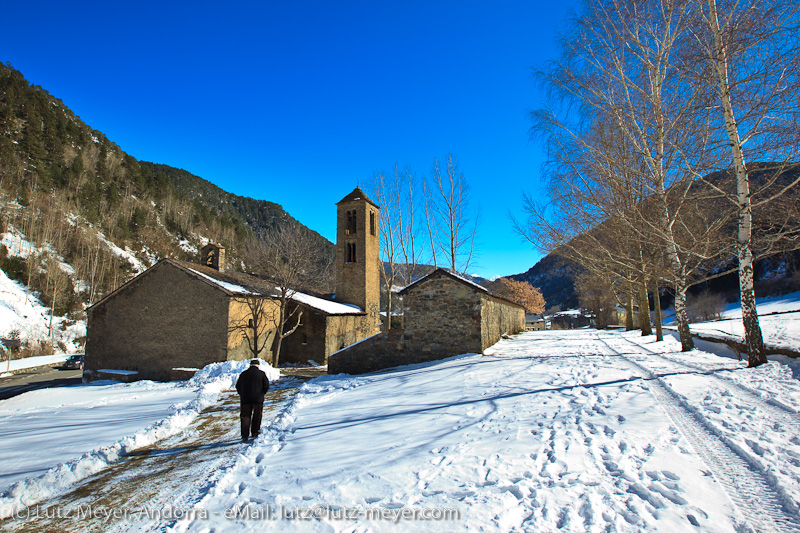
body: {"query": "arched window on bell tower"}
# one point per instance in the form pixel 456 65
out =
pixel 351 227
pixel 350 253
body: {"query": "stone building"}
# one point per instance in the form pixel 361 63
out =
pixel 179 315
pixel 445 315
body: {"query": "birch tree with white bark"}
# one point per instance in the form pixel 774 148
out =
pixel 748 52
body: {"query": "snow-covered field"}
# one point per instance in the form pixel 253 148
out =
pixel 553 430
pixel 779 318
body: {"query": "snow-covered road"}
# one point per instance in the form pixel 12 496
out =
pixel 553 430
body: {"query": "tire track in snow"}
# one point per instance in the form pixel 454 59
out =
pixel 762 505
pixel 775 407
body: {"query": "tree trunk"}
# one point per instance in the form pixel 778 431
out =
pixel 629 310
pixel 752 329
pixel 388 321
pixel 644 308
pixel 657 309
pixel 276 347
pixel 681 318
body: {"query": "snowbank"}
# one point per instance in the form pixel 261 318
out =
pixel 31 362
pixel 129 415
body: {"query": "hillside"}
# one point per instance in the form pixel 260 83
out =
pixel 775 273
pixel 79 216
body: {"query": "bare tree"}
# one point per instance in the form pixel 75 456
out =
pixel 292 261
pixel 452 222
pixel 598 297
pixel 385 191
pixel 255 321
pixel 627 144
pixel 401 248
pixel 750 51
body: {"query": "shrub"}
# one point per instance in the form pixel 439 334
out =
pixel 705 306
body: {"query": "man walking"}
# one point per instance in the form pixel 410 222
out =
pixel 252 385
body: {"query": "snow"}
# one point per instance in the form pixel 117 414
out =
pixel 118 372
pixel 187 246
pixel 556 430
pixel 569 430
pixel 230 287
pixel 26 315
pixel 126 254
pixel 779 318
pixel 326 306
pixel 52 438
pixel 16 243
pixel 32 362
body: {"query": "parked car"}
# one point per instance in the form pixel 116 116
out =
pixel 74 362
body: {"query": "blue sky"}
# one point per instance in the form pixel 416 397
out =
pixel 298 102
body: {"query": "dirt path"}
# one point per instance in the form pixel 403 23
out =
pixel 157 477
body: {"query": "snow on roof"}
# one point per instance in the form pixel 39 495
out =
pixel 230 287
pixel 332 308
pixel 326 306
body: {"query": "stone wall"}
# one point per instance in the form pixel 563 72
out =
pixel 144 327
pixel 499 318
pixel 443 315
pixel 308 342
pixel 239 313
pixel 384 350
pixel 344 330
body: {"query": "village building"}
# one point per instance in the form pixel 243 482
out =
pixel 177 317
pixel 444 315
pixel 535 322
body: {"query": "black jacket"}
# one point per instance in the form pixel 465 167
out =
pixel 252 385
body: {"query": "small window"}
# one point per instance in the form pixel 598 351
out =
pixel 372 222
pixel 350 253
pixel 350 228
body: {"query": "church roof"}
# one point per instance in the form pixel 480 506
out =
pixel 444 272
pixel 356 195
pixel 241 284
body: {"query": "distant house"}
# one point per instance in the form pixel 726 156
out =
pixel 179 315
pixel 572 319
pixel 444 315
pixel 535 322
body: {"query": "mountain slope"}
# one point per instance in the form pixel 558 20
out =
pixel 79 216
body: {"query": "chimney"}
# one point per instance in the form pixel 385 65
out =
pixel 213 255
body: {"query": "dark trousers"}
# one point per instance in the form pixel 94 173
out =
pixel 251 419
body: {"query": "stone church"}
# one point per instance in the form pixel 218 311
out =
pixel 444 315
pixel 177 317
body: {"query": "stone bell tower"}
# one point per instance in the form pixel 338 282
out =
pixel 357 256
